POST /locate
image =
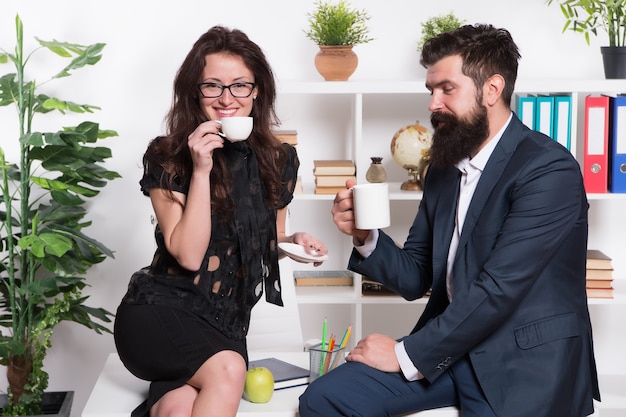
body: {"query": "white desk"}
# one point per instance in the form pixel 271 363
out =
pixel 117 392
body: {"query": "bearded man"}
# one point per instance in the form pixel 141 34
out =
pixel 500 237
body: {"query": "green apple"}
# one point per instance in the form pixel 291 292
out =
pixel 259 385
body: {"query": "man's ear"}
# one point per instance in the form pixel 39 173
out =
pixel 492 89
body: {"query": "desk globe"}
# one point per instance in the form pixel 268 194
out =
pixel 409 148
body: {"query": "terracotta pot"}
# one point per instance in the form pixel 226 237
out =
pixel 336 63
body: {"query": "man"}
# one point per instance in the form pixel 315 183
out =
pixel 500 236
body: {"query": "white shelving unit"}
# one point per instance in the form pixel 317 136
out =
pixel 356 120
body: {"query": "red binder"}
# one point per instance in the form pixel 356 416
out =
pixel 596 144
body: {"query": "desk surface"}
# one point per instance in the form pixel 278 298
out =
pixel 117 392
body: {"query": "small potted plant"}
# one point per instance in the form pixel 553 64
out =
pixel 587 17
pixel 44 252
pixel 336 28
pixel 436 25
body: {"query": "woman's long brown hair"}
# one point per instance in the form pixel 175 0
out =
pixel 186 114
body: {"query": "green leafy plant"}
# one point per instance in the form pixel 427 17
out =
pixel 588 16
pixel 43 250
pixel 338 24
pixel 436 25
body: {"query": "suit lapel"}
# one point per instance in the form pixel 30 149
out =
pixel 498 161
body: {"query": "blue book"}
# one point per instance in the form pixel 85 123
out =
pixel 286 375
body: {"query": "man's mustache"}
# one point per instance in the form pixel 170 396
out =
pixel 438 118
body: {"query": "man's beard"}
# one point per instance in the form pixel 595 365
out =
pixel 455 139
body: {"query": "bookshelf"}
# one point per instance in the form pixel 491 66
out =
pixel 356 120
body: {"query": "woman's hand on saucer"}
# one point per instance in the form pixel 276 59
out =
pixel 311 245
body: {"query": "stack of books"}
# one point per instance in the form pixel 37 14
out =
pixel 331 175
pixel 289 136
pixel 599 274
pixel 323 278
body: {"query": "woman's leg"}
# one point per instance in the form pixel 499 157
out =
pixel 354 389
pixel 175 403
pixel 214 390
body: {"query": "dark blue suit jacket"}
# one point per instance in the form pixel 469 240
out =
pixel 520 307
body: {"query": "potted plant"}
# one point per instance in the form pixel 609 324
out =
pixel 43 250
pixel 587 17
pixel 336 28
pixel 436 25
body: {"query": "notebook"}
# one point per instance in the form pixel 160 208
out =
pixel 286 375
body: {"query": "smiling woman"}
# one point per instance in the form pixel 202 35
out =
pixel 221 208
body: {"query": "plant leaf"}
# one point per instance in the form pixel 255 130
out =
pixel 44 244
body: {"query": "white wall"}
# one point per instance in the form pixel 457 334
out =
pixel 146 42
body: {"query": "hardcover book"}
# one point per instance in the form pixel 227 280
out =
pixel 286 375
pixel 333 180
pixel 600 274
pixel 333 167
pixel 600 292
pixel 328 190
pixel 314 278
pixel 289 136
pixel 596 259
pixel 599 283
pixel 371 287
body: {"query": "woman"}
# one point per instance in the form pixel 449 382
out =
pixel 221 209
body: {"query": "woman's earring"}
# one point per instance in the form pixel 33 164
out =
pixel 253 97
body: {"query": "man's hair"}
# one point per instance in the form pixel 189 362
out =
pixel 485 51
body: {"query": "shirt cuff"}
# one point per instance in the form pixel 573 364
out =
pixel 410 372
pixel 369 245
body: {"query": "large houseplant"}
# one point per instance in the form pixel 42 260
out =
pixel 336 28
pixel 588 17
pixel 43 250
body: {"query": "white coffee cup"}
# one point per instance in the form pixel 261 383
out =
pixel 237 128
pixel 371 206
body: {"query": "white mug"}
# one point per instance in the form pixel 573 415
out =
pixel 236 128
pixel 371 206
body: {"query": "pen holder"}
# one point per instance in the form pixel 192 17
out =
pixel 324 360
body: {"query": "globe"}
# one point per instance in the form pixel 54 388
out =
pixel 409 148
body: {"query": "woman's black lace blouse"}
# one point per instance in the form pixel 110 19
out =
pixel 241 260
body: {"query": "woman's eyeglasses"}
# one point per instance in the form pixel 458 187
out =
pixel 237 90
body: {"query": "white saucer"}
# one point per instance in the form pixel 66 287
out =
pixel 297 253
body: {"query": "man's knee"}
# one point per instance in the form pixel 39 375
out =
pixel 313 400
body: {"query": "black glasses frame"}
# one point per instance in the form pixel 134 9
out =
pixel 224 87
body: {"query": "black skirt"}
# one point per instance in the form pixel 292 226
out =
pixel 166 346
